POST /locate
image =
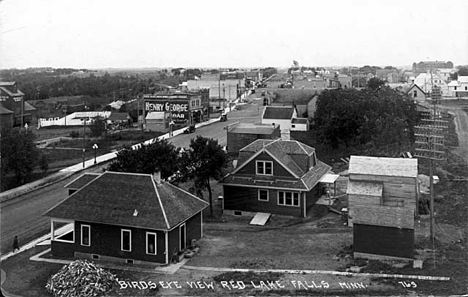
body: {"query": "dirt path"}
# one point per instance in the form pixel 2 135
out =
pixel 461 127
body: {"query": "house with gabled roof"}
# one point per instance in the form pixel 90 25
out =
pixel 279 115
pixel 13 106
pixel 274 176
pixel 126 217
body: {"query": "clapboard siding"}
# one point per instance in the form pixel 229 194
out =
pixel 400 217
pixel 378 240
pixel 246 199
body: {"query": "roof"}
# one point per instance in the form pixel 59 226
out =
pixel 18 92
pixel 82 180
pixel 7 83
pixel 299 121
pixel 118 116
pixel 365 188
pixel 453 83
pixel 276 112
pixel 329 178
pixel 282 151
pixel 247 128
pixel 463 79
pixel 108 199
pixel 415 86
pixel 4 110
pixel 383 166
pixel 159 115
pixel 28 107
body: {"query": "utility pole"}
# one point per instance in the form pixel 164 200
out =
pixel 84 135
pixel 430 145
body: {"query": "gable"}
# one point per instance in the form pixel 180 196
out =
pixel 250 166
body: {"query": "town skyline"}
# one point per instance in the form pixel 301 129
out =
pixel 245 35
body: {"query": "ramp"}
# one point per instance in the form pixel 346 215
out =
pixel 260 218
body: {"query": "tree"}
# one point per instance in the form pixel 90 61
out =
pixel 43 163
pixel 371 118
pixel 158 156
pixel 463 71
pixel 98 127
pixel 375 83
pixel 19 153
pixel 204 160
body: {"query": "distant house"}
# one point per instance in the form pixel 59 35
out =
pixel 119 118
pixel 453 87
pixel 416 93
pixel 274 176
pixel 12 99
pixel 242 134
pixel 157 121
pixel 427 80
pixel 126 217
pixel 6 117
pixel 279 115
pixel 300 124
pixel 382 201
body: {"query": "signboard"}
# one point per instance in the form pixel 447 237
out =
pixel 179 109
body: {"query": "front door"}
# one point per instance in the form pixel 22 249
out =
pixel 182 237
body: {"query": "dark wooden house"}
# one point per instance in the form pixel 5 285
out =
pixel 126 217
pixel 274 176
pixel 382 195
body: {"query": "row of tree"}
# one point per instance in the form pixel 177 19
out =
pixel 373 117
pixel 203 161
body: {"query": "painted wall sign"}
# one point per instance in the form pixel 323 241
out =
pixel 178 109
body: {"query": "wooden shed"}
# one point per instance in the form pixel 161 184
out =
pixel 382 198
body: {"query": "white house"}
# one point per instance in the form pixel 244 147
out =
pixel 453 86
pixel 299 124
pixel 463 81
pixel 426 80
pixel 279 115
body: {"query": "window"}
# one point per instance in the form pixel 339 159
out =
pixel 263 195
pixel 455 88
pixel 293 126
pixel 85 235
pixel 265 167
pixel 126 240
pixel 288 198
pixel 415 93
pixel 151 243
pixel 466 88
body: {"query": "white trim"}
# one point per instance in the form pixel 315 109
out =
pixel 166 251
pixel 201 221
pixel 121 240
pixel 292 198
pixel 155 243
pixel 72 231
pixel 89 235
pixel 185 236
pixel 264 167
pixel 266 187
pixel 268 195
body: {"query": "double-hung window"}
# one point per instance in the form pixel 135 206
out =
pixel 85 235
pixel 126 240
pixel 264 167
pixel 288 198
pixel 151 243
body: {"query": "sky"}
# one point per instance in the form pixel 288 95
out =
pixel 238 33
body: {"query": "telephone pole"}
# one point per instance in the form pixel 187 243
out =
pixel 430 144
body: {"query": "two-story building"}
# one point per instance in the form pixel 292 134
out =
pixel 15 109
pixel 274 176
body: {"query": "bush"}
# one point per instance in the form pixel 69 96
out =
pixel 74 134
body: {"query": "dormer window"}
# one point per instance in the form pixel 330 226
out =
pixel 264 167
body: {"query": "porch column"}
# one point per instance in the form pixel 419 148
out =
pixel 51 230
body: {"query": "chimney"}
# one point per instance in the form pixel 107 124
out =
pixel 157 177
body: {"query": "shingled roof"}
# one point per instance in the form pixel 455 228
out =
pixel 276 112
pixel 285 151
pixel 113 198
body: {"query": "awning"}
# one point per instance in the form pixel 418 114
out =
pixel 155 116
pixel 329 178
